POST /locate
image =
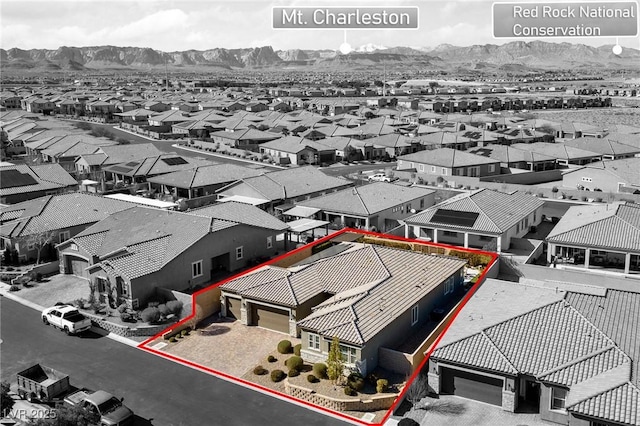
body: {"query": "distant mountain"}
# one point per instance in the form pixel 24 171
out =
pixel 517 56
pixel 369 47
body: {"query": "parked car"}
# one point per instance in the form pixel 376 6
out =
pixel 379 177
pixel 66 318
pixel 111 410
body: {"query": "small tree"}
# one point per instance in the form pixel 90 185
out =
pixel 6 402
pixel 69 415
pixel 419 389
pixel 39 241
pixel 335 364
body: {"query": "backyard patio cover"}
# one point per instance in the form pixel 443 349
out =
pixel 304 225
pixel 243 199
pixel 302 211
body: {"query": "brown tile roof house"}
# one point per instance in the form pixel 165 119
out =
pixel 64 215
pixel 21 182
pixel 377 206
pixel 621 175
pixel 366 295
pixel 141 169
pixel 285 186
pixel 449 162
pixel 570 354
pixel 481 217
pixel 603 235
pixel 201 180
pixel 141 249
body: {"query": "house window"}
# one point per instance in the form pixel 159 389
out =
pixel 444 171
pixel 558 398
pixel 239 252
pixel 422 203
pixel 492 168
pixel 449 285
pixel 314 341
pixel 31 246
pixel 101 284
pixel 433 169
pixel 196 269
pixel 414 315
pixel 586 179
pixel 422 167
pixel 348 354
pixel 269 241
pixel 73 246
pixel 63 236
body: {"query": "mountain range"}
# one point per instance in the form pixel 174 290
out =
pixel 517 56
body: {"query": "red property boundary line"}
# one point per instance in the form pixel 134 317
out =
pixel 281 395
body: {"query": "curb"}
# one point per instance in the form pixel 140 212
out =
pixel 4 292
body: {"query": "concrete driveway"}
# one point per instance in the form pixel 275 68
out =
pixel 453 410
pixel 228 346
pixel 54 289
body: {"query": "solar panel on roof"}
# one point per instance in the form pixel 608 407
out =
pixel 455 217
pixel 174 161
pixel 13 178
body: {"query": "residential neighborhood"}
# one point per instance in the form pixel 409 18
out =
pixel 439 228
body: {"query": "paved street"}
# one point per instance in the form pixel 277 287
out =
pixel 159 391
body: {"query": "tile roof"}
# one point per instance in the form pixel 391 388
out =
pixel 586 342
pixel 627 170
pixel 610 226
pixel 498 211
pixel 447 157
pixel 156 165
pixel 241 213
pixel 206 175
pixel 621 405
pixel 47 177
pixel 367 287
pixel 368 199
pixel 55 212
pixel 140 233
pixel 289 183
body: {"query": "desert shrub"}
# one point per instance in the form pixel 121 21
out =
pixel 407 421
pixel 583 198
pixel 284 347
pixel 14 288
pixel 382 385
pixel 79 303
pixel 260 370
pixel 271 358
pixel 320 370
pixel 349 391
pixel 174 307
pixel 356 381
pixel 296 349
pixel 121 308
pixel 150 315
pixel 184 333
pixel 554 189
pixel 295 363
pixel 277 375
pixel 172 339
pixel 293 373
pixel 312 379
pixel 163 309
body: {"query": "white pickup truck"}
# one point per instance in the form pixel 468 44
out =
pixel 66 318
pixel 110 410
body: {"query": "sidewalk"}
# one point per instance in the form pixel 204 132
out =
pixel 4 291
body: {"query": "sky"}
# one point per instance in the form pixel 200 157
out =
pixel 172 25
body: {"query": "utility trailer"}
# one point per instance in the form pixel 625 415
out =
pixel 41 383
